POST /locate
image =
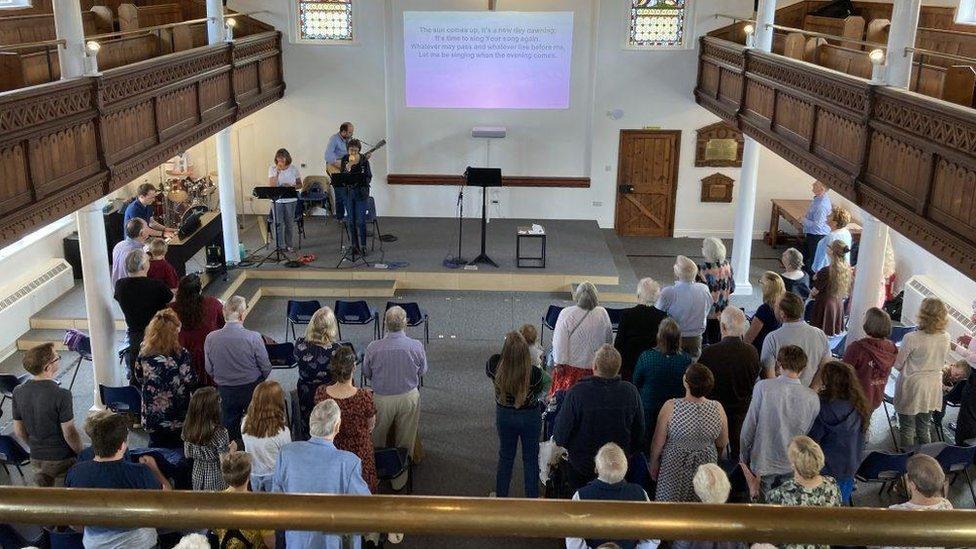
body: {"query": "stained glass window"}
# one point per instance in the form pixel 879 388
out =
pixel 657 23
pixel 325 20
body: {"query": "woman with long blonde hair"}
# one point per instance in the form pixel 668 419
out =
pixel 313 352
pixel 918 391
pixel 168 380
pixel 765 321
pixel 831 286
pixel 518 387
pixel 264 431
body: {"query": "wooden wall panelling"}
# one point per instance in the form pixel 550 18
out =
pixel 118 52
pixel 132 17
pixel 959 86
pixel 11 71
pixel 22 29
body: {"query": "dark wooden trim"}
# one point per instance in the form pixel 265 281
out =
pixel 507 180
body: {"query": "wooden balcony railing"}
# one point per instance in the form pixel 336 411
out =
pixel 908 159
pixel 65 144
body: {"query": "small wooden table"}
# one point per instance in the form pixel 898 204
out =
pixel 793 211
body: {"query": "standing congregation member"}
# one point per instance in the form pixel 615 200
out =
pixel 807 487
pixel 688 303
pixel 580 330
pixel 716 273
pixel 235 467
pixel 781 408
pixel 873 356
pixel 831 286
pixel 841 425
pixel 765 321
pixel 205 439
pixel 838 220
pixel 139 297
pixel 135 239
pixel 518 386
pixel 316 466
pixel 609 485
pixel 44 417
pixel 199 315
pixel 925 481
pixel 334 152
pixel 599 409
pixel 637 331
pixel 735 366
pixel 795 279
pixel 142 208
pixel 237 360
pixel 168 380
pixel 794 331
pixel 313 353
pixel 159 268
pixel 659 373
pixel 918 391
pixel 395 365
pixel 691 431
pixel 284 174
pixel 265 431
pixel 357 198
pixel 711 486
pixel 815 226
pixel 965 345
pixel 111 470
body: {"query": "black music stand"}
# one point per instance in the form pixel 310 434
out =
pixel 354 253
pixel 274 194
pixel 484 178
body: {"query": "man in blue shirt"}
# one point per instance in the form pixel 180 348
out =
pixel 318 467
pixel 334 152
pixel 111 470
pixel 815 224
pixel 142 207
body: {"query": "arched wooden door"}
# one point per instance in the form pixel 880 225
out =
pixel 647 181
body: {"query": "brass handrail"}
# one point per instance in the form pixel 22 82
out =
pixel 490 517
pixel 807 32
pixel 28 45
pixel 933 53
pixel 117 34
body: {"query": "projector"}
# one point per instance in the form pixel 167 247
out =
pixel 490 132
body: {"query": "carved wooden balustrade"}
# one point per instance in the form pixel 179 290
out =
pixel 908 159
pixel 65 144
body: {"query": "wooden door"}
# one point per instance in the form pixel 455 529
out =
pixel 647 180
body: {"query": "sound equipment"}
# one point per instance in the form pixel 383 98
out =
pixel 216 263
pixel 484 178
pixel 72 254
pixel 189 225
pixel 332 170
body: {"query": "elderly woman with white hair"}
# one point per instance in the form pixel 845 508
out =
pixel 688 303
pixel 637 331
pixel 711 486
pixel 313 354
pixel 795 279
pixel 611 469
pixel 140 298
pixel 580 330
pixel 716 273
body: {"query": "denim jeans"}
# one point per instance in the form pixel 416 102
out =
pixel 356 208
pixel 846 486
pixel 512 426
pixel 915 430
pixel 285 223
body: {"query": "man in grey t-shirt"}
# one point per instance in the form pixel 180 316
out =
pixel 43 418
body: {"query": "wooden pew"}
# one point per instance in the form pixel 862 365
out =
pixel 132 17
pixel 21 29
pixel 959 85
pixel 849 27
pixel 127 50
pixel 187 37
pixel 877 32
pixel 845 60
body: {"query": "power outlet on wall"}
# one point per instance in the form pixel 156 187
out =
pixel 303 165
pixel 597 204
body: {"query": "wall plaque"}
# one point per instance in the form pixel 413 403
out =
pixel 717 188
pixel 718 146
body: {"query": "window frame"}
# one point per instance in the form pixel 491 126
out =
pixel 294 36
pixel 965 13
pixel 687 36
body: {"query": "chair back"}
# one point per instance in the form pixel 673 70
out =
pixel 615 316
pixel 302 311
pixel 9 382
pixel 552 314
pixel 353 312
pixel 370 210
pixel 808 311
pixel 121 399
pixel 77 342
pixel 898 333
pixel 390 462
pixel 414 315
pixel 956 458
pixel 66 539
pixel 882 466
pixel 281 355
pixel 12 452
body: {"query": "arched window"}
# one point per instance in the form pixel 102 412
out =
pixel 324 21
pixel 659 24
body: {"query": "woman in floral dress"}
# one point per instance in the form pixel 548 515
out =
pixel 168 380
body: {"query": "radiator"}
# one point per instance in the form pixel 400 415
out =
pixel 25 295
pixel 921 286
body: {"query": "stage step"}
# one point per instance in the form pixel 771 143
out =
pixel 255 289
pixel 36 337
pixel 613 294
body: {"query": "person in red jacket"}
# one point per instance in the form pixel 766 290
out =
pixel 199 315
pixel 873 355
pixel 159 268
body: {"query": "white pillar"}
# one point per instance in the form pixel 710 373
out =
pixel 870 269
pixel 745 214
pixel 68 26
pixel 904 24
pixel 765 17
pixel 98 297
pixel 228 200
pixel 215 23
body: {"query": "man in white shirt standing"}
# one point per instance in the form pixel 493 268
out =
pixel 795 331
pixel 688 303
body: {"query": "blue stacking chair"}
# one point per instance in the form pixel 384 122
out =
pixel 77 342
pixel 549 321
pixel 838 343
pixel 415 316
pixel 22 536
pixel 9 382
pixel 121 400
pixel 12 453
pixel 299 312
pixel 898 333
pixel 882 467
pixel 393 462
pixel 615 316
pixel 955 460
pixel 889 399
pixel 66 538
pixel 282 355
pixel 357 313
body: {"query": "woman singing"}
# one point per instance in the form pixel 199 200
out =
pixel 357 198
pixel 284 174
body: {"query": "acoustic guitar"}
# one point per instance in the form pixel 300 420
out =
pixel 332 170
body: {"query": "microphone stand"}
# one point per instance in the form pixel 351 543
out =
pixel 458 261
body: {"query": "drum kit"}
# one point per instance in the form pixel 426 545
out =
pixel 180 197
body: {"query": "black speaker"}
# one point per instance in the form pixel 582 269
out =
pixel 72 253
pixel 216 263
pixel 114 232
